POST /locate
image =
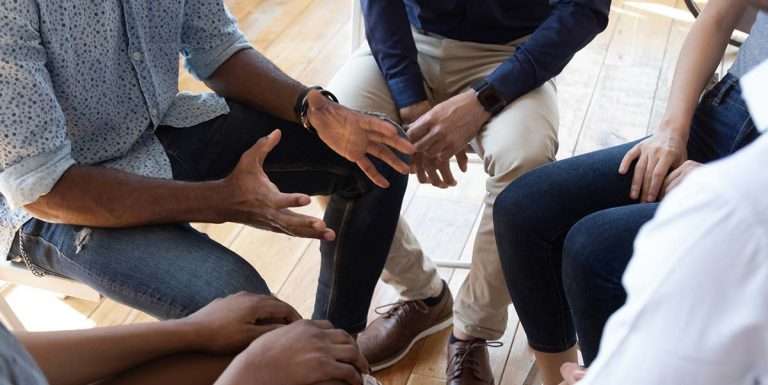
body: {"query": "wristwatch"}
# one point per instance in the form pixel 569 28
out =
pixel 489 97
pixel 301 107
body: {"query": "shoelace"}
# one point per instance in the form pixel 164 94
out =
pixel 400 308
pixel 462 357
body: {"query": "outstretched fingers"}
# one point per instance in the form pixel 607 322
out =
pixel 303 226
pixel 385 154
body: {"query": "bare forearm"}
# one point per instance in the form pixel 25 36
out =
pixel 86 356
pixel 701 54
pixel 252 79
pixel 102 197
pixel 236 373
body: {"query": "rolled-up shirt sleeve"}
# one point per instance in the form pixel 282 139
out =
pixel 210 36
pixel 34 149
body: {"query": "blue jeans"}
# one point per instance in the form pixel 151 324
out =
pixel 565 231
pixel 172 270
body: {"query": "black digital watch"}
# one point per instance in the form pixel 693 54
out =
pixel 489 97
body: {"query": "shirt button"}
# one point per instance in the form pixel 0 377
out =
pixel 153 112
pixel 137 56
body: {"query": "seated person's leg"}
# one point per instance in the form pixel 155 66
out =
pixel 168 271
pixel 598 248
pixel 363 216
pixel 359 84
pixel 519 139
pixel 595 254
pixel 532 217
pixel 516 141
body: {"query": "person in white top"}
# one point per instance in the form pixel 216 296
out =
pixel 697 306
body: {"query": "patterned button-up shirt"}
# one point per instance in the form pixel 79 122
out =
pixel 87 82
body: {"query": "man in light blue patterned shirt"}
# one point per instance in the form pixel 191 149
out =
pixel 103 162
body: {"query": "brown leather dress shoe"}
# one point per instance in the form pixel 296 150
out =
pixel 468 363
pixel 391 336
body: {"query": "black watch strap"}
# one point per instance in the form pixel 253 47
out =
pixel 489 97
pixel 301 107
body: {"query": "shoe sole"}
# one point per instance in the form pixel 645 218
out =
pixel 426 333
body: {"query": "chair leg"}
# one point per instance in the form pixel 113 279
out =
pixel 452 264
pixel 9 317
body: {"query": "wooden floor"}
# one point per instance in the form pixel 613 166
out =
pixel 613 91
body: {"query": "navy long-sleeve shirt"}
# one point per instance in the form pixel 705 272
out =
pixel 558 29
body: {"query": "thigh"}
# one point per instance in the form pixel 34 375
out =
pixel 301 162
pixel 168 271
pixel 520 138
pixel 547 201
pixel 360 85
pixel 598 248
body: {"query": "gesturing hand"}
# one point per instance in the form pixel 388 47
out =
pixel 355 135
pixel 228 325
pixel 303 353
pixel 656 157
pixel 448 127
pixel 436 171
pixel 257 201
pixel 430 169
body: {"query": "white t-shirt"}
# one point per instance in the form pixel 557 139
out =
pixel 697 306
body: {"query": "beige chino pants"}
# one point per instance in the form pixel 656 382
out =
pixel 517 140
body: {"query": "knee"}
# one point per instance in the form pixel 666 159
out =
pixel 505 166
pixel 517 222
pixel 519 206
pixel 219 283
pixel 583 252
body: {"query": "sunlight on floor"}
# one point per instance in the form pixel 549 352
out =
pixel 673 13
pixel 41 310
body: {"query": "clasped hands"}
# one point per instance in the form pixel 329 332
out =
pixel 435 135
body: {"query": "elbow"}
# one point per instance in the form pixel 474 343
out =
pixel 45 210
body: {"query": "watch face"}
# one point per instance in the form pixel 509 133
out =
pixel 492 102
pixel 491 98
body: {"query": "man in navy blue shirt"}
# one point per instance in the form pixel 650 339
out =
pixel 459 73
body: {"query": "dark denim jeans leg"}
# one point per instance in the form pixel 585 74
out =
pixel 168 271
pixel 592 272
pixel 586 196
pixel 532 217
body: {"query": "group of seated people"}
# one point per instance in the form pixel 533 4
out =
pixel 638 256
